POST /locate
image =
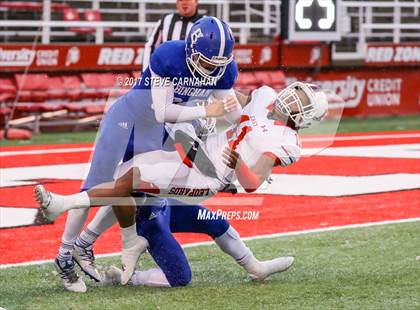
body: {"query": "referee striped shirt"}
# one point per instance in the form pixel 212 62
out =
pixel 169 27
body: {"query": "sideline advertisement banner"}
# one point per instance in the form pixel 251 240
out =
pixel 305 55
pixel 111 56
pixel 370 92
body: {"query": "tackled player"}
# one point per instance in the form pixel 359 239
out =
pixel 264 137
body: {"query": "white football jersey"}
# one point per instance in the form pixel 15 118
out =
pixel 256 134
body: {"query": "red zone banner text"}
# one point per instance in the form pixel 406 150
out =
pixel 393 54
pixel 112 56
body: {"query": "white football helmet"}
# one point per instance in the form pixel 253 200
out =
pixel 304 103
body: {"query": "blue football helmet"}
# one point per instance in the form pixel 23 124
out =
pixel 209 47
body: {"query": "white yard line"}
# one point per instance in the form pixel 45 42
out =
pixel 411 150
pixel 267 236
pixel 303 139
pixel 364 137
pixel 46 151
pixel 336 186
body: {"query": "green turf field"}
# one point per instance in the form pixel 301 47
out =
pixel 358 268
pixel 346 125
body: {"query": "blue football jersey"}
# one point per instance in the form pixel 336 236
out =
pixel 169 61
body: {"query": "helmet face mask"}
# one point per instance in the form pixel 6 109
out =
pixel 212 69
pixel 209 47
pixel 303 103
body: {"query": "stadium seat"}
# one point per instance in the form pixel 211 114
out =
pixel 93 86
pixel 246 81
pixel 32 87
pixel 100 85
pixel 94 109
pixel 34 92
pixel 119 83
pixel 136 74
pixel 122 80
pixel 7 97
pixel 21 5
pixel 56 89
pixel 5 111
pixel 72 15
pixel 72 86
pixel 107 82
pixel 95 16
pixel 7 90
pixel 278 79
pixel 59 6
pixel 262 78
pixel 28 107
pixel 74 107
pixel 7 85
pixel 50 107
pixel 30 6
pixel 124 83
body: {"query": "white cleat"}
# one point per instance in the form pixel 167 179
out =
pixel 71 281
pixel 85 258
pixel 267 268
pixel 130 258
pixel 46 203
pixel 112 276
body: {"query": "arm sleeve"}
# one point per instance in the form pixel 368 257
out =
pixel 154 41
pixel 165 110
pixel 231 117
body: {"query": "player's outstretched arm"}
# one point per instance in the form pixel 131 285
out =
pixel 243 99
pixel 249 178
pixel 231 103
pixel 165 111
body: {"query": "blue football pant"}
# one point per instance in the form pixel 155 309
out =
pixel 157 224
pixel 122 135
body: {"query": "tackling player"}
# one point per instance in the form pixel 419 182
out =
pixel 157 224
pixel 266 136
pixel 178 72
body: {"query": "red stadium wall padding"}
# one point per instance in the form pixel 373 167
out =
pixel 16 134
pixel 92 57
pixel 369 92
pixel 305 55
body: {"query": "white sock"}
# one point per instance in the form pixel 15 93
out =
pixel 129 236
pixel 86 238
pixel 65 252
pixel 152 278
pixel 231 243
pixel 68 202
pixel 74 224
pixel 104 219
